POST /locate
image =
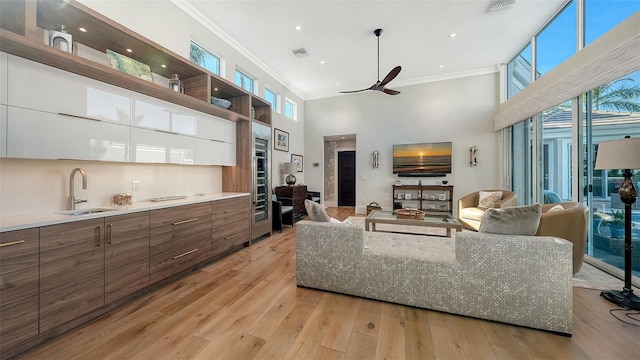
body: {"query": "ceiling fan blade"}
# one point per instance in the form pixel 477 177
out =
pixel 390 91
pixel 390 76
pixel 353 91
pixel 373 87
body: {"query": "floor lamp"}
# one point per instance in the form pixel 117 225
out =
pixel 622 154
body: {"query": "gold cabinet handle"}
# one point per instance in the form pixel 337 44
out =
pixel 79 117
pixel 12 243
pixel 167 132
pixel 184 221
pixel 99 237
pixel 110 231
pixel 185 254
pixel 232 236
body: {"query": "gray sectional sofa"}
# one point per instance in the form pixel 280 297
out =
pixel 521 280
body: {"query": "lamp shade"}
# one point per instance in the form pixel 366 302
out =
pixel 289 168
pixel 618 154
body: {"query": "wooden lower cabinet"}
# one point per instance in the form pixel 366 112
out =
pixel 180 237
pixel 85 265
pixel 71 271
pixel 126 255
pixel 230 224
pixel 18 286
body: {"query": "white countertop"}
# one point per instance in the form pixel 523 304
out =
pixel 18 222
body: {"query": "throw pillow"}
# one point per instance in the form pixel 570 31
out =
pixel 517 220
pixel 556 208
pixel 487 199
pixel 316 211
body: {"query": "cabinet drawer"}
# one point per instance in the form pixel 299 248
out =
pixel 179 214
pixel 19 290
pixel 170 258
pixel 230 210
pixel 229 236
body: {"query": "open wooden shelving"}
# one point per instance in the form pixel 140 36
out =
pixel 21 19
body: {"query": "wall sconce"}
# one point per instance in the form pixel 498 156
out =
pixel 473 156
pixel 374 159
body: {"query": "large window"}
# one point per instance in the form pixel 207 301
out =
pixel 614 111
pixel 272 98
pixel 603 15
pixel 244 81
pixel 556 42
pixel 544 149
pixel 204 58
pixel 519 72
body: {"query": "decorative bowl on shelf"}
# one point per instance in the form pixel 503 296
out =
pixel 223 103
pixel 412 214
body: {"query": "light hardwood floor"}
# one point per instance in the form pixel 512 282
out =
pixel 247 306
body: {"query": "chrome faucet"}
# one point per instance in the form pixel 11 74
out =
pixel 72 194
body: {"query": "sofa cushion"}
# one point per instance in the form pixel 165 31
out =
pixel 316 211
pixel 472 213
pixel 517 220
pixel 487 199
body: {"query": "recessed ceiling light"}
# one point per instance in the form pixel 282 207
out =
pixel 338 83
pixel 322 62
pixel 215 89
pixel 129 50
pixel 163 65
pixel 298 27
pixel 452 35
pixel 82 29
pixel 441 67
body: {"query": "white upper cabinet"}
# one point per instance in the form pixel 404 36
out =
pixel 211 152
pixel 154 146
pixel 3 78
pixel 214 128
pixel 41 135
pixel 40 87
pixel 3 130
pixel 156 114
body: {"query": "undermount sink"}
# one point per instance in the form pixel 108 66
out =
pixel 84 211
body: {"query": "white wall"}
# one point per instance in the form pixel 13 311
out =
pixel 37 186
pixel 458 110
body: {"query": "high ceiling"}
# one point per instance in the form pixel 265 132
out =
pixel 416 36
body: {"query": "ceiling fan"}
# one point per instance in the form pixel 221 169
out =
pixel 380 85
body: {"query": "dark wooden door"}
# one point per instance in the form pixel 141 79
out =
pixel 347 178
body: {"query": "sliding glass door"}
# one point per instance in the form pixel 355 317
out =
pixel 613 112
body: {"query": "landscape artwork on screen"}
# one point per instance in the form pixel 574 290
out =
pixel 426 159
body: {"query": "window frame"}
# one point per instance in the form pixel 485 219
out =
pixel 244 76
pixel 217 71
pixel 275 106
pixel 294 109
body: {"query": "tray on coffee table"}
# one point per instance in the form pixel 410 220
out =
pixel 389 217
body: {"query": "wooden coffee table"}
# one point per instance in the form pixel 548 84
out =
pixel 388 217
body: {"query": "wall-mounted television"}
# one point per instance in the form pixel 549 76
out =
pixel 425 159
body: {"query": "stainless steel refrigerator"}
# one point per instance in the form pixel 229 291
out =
pixel 261 180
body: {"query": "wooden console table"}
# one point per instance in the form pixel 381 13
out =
pixel 297 194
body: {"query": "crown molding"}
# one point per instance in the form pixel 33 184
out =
pixel 202 20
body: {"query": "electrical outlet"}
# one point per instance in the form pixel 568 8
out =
pixel 135 185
